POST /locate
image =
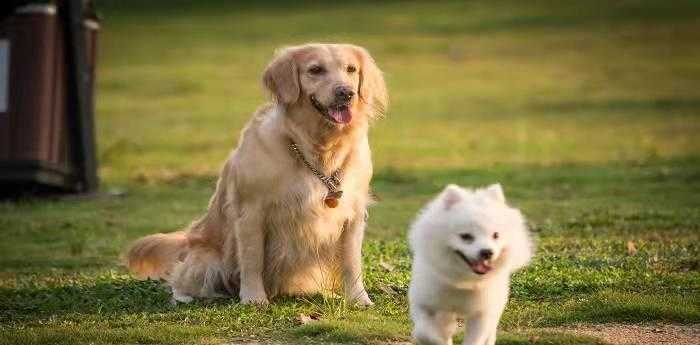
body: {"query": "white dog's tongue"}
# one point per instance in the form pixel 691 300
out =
pixel 340 115
pixel 480 267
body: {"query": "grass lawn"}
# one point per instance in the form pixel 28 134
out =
pixel 588 113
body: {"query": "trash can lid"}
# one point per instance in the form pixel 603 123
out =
pixel 48 9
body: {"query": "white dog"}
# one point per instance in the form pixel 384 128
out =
pixel 466 244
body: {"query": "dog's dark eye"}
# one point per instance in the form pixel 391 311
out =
pixel 316 70
pixel 495 235
pixel 352 69
pixel 467 237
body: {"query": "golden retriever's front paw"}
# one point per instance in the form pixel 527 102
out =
pixel 255 301
pixel 254 298
pixel 361 300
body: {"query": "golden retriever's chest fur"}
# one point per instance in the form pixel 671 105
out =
pixel 303 234
pixel 304 216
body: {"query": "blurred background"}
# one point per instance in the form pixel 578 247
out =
pixel 472 84
pixel 588 113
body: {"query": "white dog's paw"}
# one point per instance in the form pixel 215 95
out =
pixel 181 297
pixel 428 338
pixel 360 299
pixel 425 339
pixel 258 298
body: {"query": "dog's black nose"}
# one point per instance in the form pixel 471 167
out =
pixel 344 93
pixel 486 254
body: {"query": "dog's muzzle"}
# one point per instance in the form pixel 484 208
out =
pixel 338 112
pixel 481 266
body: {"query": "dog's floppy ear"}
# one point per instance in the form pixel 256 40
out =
pixel 372 88
pixel 450 196
pixel 495 191
pixel 280 77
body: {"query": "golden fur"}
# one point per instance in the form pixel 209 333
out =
pixel 267 230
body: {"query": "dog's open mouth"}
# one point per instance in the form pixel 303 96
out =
pixel 478 266
pixel 337 113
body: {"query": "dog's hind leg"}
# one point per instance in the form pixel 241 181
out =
pixel 200 274
pixel 181 297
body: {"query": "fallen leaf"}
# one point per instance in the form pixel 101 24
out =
pixel 387 289
pixel 304 319
pixel 116 192
pixel 631 248
pixel 386 266
pixel 534 339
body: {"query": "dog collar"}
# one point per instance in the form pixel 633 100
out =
pixel 331 182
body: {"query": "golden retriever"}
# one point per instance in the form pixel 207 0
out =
pixel 273 226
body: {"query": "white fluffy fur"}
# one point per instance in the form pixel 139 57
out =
pixel 443 285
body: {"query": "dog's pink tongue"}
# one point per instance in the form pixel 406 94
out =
pixel 480 267
pixel 341 115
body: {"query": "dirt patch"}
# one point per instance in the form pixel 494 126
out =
pixel 619 334
pixel 615 334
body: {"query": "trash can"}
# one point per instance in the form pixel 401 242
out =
pixel 46 99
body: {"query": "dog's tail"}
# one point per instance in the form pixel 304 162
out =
pixel 154 256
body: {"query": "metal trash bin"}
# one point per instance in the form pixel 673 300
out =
pixel 39 120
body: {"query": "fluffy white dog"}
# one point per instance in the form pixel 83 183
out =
pixel 466 244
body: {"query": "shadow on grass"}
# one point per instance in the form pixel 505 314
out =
pixel 601 307
pixel 103 297
pixel 553 15
pixel 75 334
pixel 323 331
pixel 526 177
pixel 618 199
pixel 611 306
pixel 622 105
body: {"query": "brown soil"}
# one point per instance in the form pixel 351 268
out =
pixel 618 334
pixel 615 334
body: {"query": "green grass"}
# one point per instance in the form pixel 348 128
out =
pixel 587 113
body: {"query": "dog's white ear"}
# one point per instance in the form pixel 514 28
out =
pixel 451 195
pixel 495 191
pixel 280 77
